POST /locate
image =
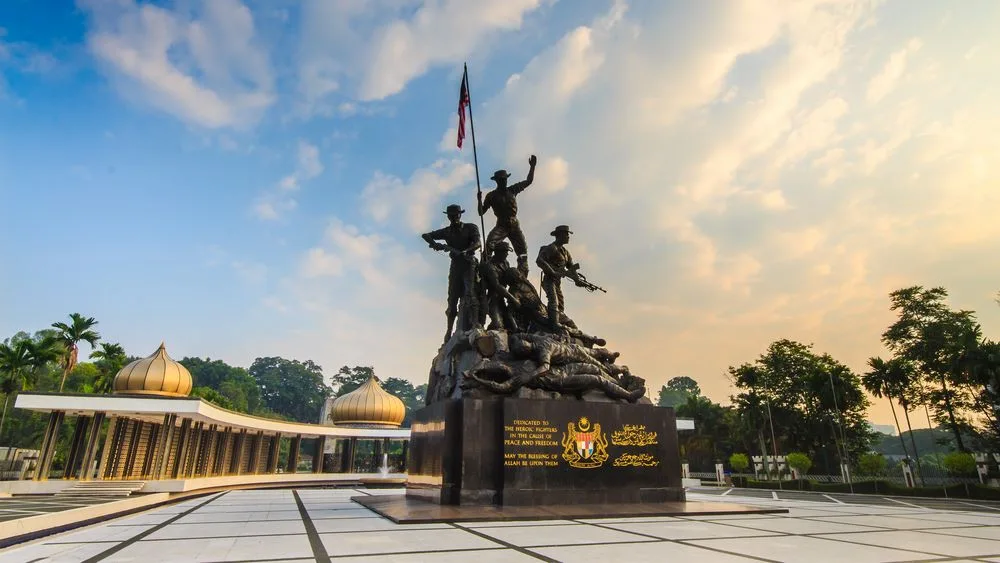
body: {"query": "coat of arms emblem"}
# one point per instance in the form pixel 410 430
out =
pixel 584 445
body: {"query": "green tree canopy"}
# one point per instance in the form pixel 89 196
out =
pixel 677 391
pixel 816 403
pixel 348 379
pixel 234 383
pixel 291 388
pixel 412 397
pixel 945 347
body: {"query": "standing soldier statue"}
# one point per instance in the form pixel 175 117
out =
pixel 556 263
pixel 461 241
pixel 503 200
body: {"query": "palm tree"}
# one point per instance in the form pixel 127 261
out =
pixel 19 363
pixel 79 329
pixel 888 379
pixel 111 359
pixel 877 383
pixel 903 377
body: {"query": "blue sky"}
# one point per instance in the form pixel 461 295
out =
pixel 249 179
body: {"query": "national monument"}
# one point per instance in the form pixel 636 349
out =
pixel 525 407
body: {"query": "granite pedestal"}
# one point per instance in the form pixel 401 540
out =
pixel 510 452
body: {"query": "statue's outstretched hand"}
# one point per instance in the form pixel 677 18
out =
pixel 532 160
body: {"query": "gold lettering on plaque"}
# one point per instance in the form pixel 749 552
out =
pixel 636 460
pixel 633 435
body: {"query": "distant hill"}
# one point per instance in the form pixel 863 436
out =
pixel 929 440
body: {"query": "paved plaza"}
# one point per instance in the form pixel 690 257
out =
pixel 321 524
pixel 32 505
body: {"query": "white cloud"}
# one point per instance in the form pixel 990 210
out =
pixel 417 201
pixel 318 263
pixel 274 203
pixel 208 70
pixel 552 174
pixel 439 32
pixel 379 46
pixel 885 81
pixel 309 164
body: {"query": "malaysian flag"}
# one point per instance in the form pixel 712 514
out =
pixel 463 102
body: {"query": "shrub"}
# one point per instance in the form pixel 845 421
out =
pixel 872 464
pixel 960 464
pixel 739 462
pixel 799 462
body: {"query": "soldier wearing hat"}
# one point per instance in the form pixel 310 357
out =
pixel 556 263
pixel 461 240
pixel 503 201
pixel 497 300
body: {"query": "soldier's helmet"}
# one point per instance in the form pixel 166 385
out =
pixel 454 208
pixel 500 174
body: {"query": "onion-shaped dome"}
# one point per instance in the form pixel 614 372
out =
pixel 368 405
pixel 157 374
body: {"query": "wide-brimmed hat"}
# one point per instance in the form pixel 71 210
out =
pixel 454 208
pixel 561 229
pixel 500 173
pixel 500 245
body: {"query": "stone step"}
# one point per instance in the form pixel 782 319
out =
pixel 103 488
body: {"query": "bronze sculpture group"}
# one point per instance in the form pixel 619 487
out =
pixel 532 345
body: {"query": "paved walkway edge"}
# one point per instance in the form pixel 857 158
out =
pixel 24 529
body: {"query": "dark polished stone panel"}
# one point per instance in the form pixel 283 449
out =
pixel 566 452
pixel 521 451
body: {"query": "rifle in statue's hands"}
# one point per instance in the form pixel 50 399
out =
pixel 454 252
pixel 581 281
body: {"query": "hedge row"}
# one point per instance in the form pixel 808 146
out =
pixel 961 490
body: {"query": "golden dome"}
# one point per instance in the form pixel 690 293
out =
pixel 368 405
pixel 157 374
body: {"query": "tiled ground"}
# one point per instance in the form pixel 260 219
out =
pixel 321 524
pixel 32 505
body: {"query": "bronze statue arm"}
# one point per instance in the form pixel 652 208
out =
pixel 431 242
pixel 532 160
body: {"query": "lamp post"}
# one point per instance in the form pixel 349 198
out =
pixel 842 447
pixel 774 443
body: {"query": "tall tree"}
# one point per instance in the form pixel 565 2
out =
pixel 711 441
pixel 291 388
pixel 412 397
pixel 677 391
pixel 19 362
pixel 891 379
pixel 79 329
pixel 934 337
pixel 111 358
pixel 234 383
pixel 348 379
pixel 809 402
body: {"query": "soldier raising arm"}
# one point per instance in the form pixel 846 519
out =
pixel 503 201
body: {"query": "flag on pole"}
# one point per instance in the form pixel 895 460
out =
pixel 463 102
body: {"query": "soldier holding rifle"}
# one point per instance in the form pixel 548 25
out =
pixel 461 241
pixel 556 263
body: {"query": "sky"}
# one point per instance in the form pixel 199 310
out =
pixel 250 179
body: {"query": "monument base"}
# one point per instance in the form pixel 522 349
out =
pixel 523 452
pixel 404 510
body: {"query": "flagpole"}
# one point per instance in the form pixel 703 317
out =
pixel 475 159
